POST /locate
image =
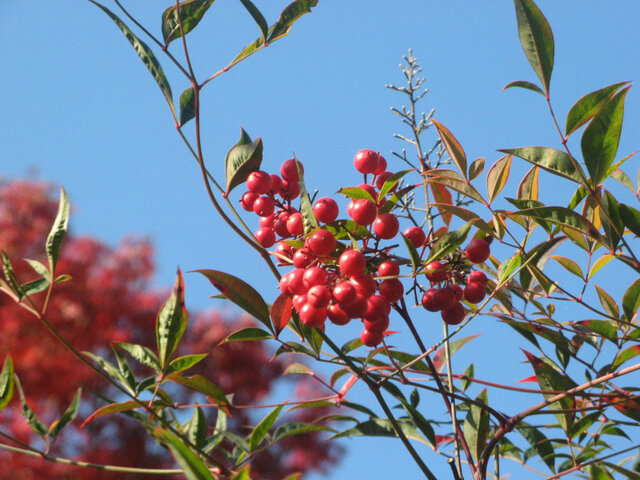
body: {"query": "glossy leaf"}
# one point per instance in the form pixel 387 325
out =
pixel 469 373
pixel 58 231
pixel 281 311
pixel 569 265
pixel 611 219
pixel 528 188
pixel 190 13
pixel 197 428
pixel 588 106
pixel 419 421
pixel 112 371
pixel 248 334
pixel 467 216
pixel 67 417
pixel 185 362
pixel 476 426
pixel 240 293
pixel 380 427
pixel 356 193
pixel 564 217
pixel 551 160
pixel 393 200
pixel 524 84
pixel 113 408
pixel 35 424
pixel 309 220
pixel 442 196
pixel 601 262
pixel 601 137
pixel 171 322
pixel 448 242
pixel 631 300
pixel 631 218
pixel 623 178
pixel 536 39
pixel 263 428
pixel 539 443
pixel 608 303
pixel 497 176
pixel 455 181
pixel 454 149
pixel 506 268
pixel 258 17
pixel 550 379
pixel 601 327
pixel 187 105
pixel 192 466
pixel 145 54
pixel 391 182
pixel 476 168
pixel 6 382
pixel 414 256
pixel 201 384
pixel 244 158
pixel 142 354
pixel 626 354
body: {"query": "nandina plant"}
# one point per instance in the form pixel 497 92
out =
pixel 463 255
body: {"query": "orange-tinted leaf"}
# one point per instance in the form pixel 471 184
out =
pixel 442 195
pixel 455 150
pixel 281 311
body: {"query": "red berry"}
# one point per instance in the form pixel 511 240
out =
pixel 386 226
pixel 289 171
pixel 284 284
pixel 290 190
pixel 444 298
pixel 475 292
pixel 267 221
pixel 366 161
pixel 358 308
pixel 302 258
pixel 391 289
pixel 378 325
pixel 337 315
pixel 259 182
pixel 326 210
pixel 382 165
pixel 295 225
pixel 311 316
pixel 382 178
pixel 439 272
pixel 344 293
pixel 265 237
pixel 416 236
pixel 365 285
pixel 369 189
pixel 363 211
pixel 299 301
pixel 314 276
pixel 284 250
pixel 371 339
pixel 263 206
pixel 388 268
pixel 352 262
pixel 457 291
pixel 319 296
pixel 246 202
pixel 477 277
pixel 453 315
pixel 322 242
pixel 377 307
pixel 296 283
pixel 478 250
pixel 428 300
pixel 276 183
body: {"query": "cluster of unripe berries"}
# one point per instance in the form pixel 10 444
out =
pixel 329 279
pixel 447 298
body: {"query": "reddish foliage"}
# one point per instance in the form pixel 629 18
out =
pixel 108 300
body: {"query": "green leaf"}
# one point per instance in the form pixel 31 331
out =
pixel 626 354
pixel 508 266
pixel 298 368
pixel 391 182
pixel 113 408
pixel 631 218
pixel 67 417
pixel 413 253
pixel 601 137
pixel 191 12
pixel 35 286
pixel 112 371
pixel 524 84
pixel 391 203
pixel 258 17
pixel 550 379
pixel 536 39
pixel 419 421
pixel 607 302
pixel 455 181
pixel 380 427
pixel 240 293
pixel 297 428
pixel 193 467
pixel 600 263
pixel 623 178
pixel 306 209
pixel 356 193
pixel 476 168
pixel 597 472
pixel 39 268
pixel 588 106
pixel 263 427
pixel 249 333
pixel 497 176
pixel 197 428
pixel 185 362
pixel 469 373
pixel 6 382
pixel 454 149
pixel 244 158
pixel 562 216
pixel 171 322
pixel 200 384
pixel 127 377
pixel 569 265
pixel 631 300
pixel 448 242
pixel 58 231
pixel 35 424
pixel 528 188
pixel 551 160
pixel 288 17
pixel 539 443
pixel 281 311
pixel 187 106
pixel 630 475
pixel 476 426
pixel 600 327
pixel 466 215
pixel 142 354
pixel 145 54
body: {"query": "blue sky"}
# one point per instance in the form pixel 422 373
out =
pixel 81 110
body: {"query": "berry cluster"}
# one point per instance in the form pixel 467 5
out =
pixel 447 298
pixel 359 280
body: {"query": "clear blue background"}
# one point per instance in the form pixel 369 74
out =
pixel 79 109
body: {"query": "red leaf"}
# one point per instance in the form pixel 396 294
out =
pixel 281 312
